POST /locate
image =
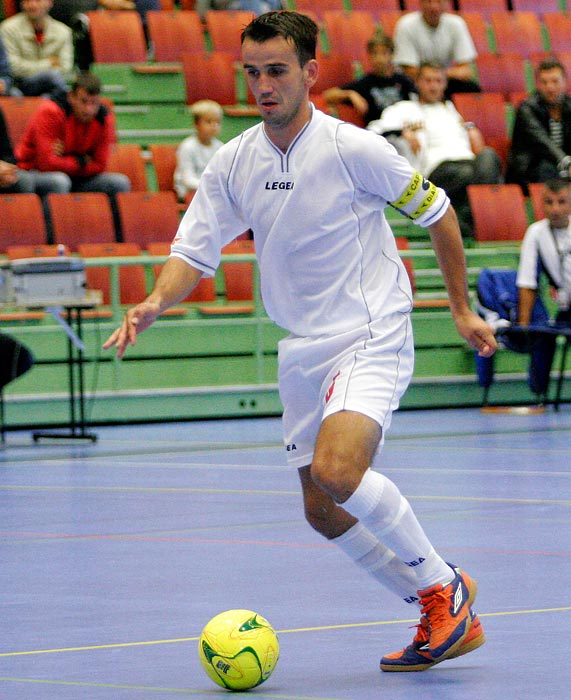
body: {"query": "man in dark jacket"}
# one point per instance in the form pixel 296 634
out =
pixel 541 140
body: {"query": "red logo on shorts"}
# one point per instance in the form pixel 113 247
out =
pixel 329 393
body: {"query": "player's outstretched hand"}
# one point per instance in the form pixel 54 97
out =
pixel 477 333
pixel 136 320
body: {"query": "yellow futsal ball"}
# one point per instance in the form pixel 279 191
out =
pixel 238 649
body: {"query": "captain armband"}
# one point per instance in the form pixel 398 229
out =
pixel 419 196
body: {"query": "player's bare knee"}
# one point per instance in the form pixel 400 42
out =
pixel 335 476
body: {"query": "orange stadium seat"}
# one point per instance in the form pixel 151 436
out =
pixel 205 291
pixel 17 113
pixel 117 37
pixel 485 7
pixel 375 7
pixel 209 75
pixel 503 73
pixel 22 221
pixel 132 280
pixel 348 33
pixel 127 158
pixel 81 217
pixel 517 32
pixel 148 216
pixel 558 27
pixel 334 70
pixel 478 28
pixel 499 212
pixel 225 28
pixel 172 33
pixel 537 6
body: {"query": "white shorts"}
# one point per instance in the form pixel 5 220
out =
pixel 366 370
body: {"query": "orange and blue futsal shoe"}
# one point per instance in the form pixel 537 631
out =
pixel 416 656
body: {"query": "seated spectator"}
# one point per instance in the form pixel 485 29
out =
pixel 436 36
pixel 382 87
pixel 6 78
pixel 432 135
pixel 256 7
pixel 67 143
pixel 39 49
pixel 195 151
pixel 12 179
pixel 541 139
pixel 546 253
pixel 73 13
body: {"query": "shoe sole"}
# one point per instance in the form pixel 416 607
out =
pixel 465 649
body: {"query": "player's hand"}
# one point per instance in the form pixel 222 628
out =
pixel 477 333
pixel 136 320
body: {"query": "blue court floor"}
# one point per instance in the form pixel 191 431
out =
pixel 113 556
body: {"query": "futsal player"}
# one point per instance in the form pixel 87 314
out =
pixel 313 190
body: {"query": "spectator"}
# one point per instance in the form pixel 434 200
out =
pixel 546 252
pixel 434 35
pixel 73 13
pixel 381 87
pixel 448 151
pixel 6 79
pixel 39 49
pixel 12 179
pixel 195 151
pixel 541 139
pixel 67 143
pixel 256 7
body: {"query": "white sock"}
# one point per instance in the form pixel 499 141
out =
pixel 381 507
pixel 383 565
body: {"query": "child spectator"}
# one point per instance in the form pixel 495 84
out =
pixel 195 151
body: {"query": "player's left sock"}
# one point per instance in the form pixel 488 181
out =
pixel 380 506
pixel 381 563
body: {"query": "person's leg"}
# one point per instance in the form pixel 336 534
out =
pixel 487 168
pixel 110 184
pixel 49 82
pixel 44 184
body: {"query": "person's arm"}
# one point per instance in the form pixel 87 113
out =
pixel 177 279
pixel 447 244
pixel 337 95
pixel 526 301
pixel 460 71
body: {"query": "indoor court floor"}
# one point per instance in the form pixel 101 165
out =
pixel 114 555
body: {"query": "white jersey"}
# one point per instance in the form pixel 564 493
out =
pixel 547 250
pixel 327 257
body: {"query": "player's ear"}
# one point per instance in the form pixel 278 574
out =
pixel 311 71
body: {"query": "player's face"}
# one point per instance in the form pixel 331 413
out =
pixel 557 207
pixel 279 84
pixel 551 85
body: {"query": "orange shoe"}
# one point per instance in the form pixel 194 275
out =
pixel 416 656
pixel 447 609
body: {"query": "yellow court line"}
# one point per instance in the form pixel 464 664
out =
pixel 320 628
pixel 185 691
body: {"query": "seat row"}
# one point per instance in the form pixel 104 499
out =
pixel 85 217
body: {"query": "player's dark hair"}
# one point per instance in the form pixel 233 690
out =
pixel 300 30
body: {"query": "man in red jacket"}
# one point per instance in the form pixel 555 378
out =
pixel 67 144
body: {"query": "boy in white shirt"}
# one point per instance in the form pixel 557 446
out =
pixel 195 152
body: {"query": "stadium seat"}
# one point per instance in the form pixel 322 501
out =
pixel 503 73
pixel 127 158
pixel 486 109
pixel 17 113
pixel 478 28
pixel 117 37
pixel 225 28
pixel 517 32
pixel 499 212
pixel 148 216
pixel 48 250
pixel 172 33
pixel 318 7
pixel 558 27
pixel 81 217
pixel 209 76
pixel 388 21
pixel 375 7
pixel 22 220
pixel 536 198
pixel 538 6
pixel 334 70
pixel 132 280
pixel 348 33
pixel 484 7
pixel 164 163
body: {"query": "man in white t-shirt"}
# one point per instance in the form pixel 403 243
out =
pixel 436 36
pixel 313 190
pixel 436 140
